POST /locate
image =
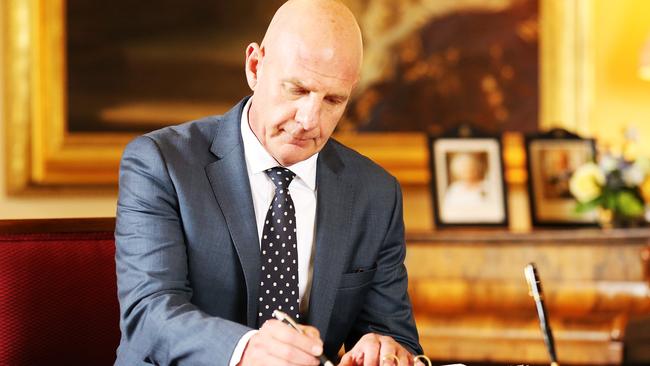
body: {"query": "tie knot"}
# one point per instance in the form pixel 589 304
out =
pixel 280 176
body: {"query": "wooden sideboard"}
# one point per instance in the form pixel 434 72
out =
pixel 471 300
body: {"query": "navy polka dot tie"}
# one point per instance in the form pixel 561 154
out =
pixel 279 280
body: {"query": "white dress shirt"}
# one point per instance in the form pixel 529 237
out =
pixel 303 191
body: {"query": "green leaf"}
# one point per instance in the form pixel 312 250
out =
pixel 628 204
pixel 582 207
pixel 609 199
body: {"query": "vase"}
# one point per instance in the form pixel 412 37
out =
pixel 605 218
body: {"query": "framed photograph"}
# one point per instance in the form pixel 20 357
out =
pixel 467 181
pixel 552 159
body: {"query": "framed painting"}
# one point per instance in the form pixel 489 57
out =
pixel 552 159
pixel 468 185
pixel 81 79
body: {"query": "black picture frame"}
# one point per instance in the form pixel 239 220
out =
pixel 551 158
pixel 457 201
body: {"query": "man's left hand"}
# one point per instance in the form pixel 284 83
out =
pixel 375 350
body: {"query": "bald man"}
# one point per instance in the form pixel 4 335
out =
pixel 205 250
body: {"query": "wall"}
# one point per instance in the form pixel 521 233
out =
pixel 621 98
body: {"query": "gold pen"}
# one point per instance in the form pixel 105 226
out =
pixel 286 319
pixel 535 286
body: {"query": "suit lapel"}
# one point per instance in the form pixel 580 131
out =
pixel 229 180
pixel 334 209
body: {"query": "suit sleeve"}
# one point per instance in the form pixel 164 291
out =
pixel 159 323
pixel 387 308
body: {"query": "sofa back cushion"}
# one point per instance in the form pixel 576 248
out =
pixel 58 299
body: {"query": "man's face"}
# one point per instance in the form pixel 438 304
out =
pixel 299 96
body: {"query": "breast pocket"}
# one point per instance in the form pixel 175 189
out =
pixel 352 280
pixel 350 298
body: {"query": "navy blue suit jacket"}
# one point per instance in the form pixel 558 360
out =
pixel 188 261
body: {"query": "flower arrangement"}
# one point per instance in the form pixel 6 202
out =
pixel 619 188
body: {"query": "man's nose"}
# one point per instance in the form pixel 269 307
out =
pixel 309 112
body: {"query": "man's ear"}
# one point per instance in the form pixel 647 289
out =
pixel 254 56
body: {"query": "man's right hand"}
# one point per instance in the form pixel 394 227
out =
pixel 278 344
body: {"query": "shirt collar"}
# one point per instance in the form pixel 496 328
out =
pixel 258 159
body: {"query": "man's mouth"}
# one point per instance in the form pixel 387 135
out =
pixel 302 142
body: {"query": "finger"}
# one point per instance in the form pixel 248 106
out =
pixel 286 334
pixel 255 352
pixel 390 360
pixel 290 354
pixel 370 353
pixel 272 360
pixel 421 360
pixel 357 356
pixel 269 347
pixel 310 331
pixel 405 358
pixel 388 348
pixel 347 360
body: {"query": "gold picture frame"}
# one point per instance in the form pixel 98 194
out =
pixel 40 152
pixel 552 158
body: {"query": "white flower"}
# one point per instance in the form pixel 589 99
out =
pixel 644 164
pixel 587 182
pixel 633 175
pixel 608 163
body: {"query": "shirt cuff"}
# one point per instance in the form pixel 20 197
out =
pixel 238 352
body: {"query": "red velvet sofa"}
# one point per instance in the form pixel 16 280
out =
pixel 58 296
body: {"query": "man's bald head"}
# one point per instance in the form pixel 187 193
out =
pixel 302 76
pixel 327 26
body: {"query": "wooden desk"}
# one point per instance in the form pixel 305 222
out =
pixel 471 300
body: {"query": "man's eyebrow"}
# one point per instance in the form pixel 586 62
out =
pixel 295 83
pixel 299 84
pixel 339 97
